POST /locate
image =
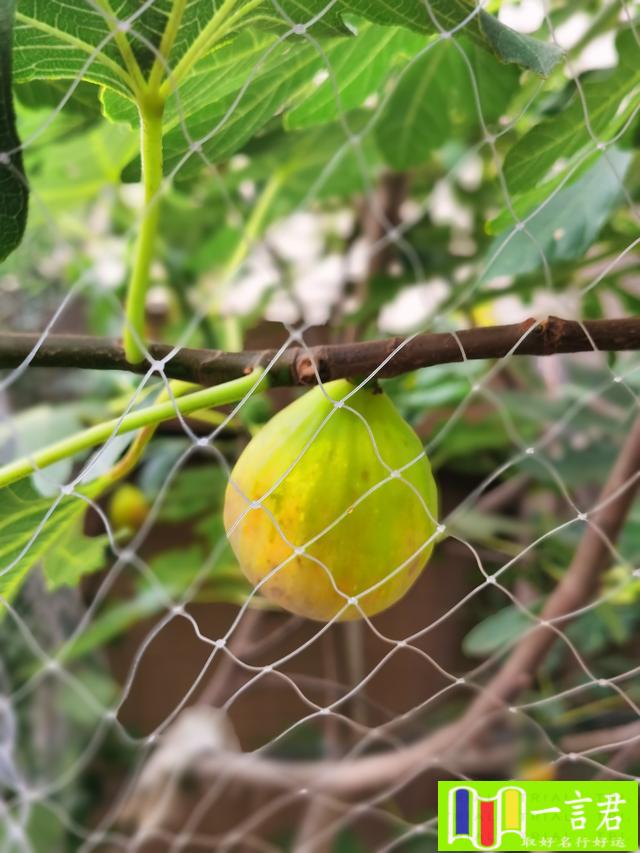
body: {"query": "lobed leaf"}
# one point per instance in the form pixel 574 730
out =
pixel 605 102
pixel 223 107
pixel 71 39
pixel 449 88
pixel 458 16
pixel 356 68
pixel 29 529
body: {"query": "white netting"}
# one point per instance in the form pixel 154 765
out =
pixel 159 704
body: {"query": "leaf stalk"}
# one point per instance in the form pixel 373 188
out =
pixel 218 395
pixel 151 111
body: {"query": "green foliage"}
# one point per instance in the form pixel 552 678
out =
pixel 73 556
pixel 222 115
pixel 358 68
pixel 73 170
pixel 31 526
pixel 595 114
pixel 565 227
pixel 57 39
pixel 498 631
pixel 13 187
pixel 233 88
pixel 317 121
pixel 205 571
pixel 447 91
pixel 264 126
pixel 192 492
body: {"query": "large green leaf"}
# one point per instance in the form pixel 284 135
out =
pixel 521 205
pixel 565 227
pixel 357 68
pixel 14 194
pixel 235 91
pixel 222 72
pixel 192 492
pixel 75 39
pixel 28 530
pixel 227 102
pixel 41 94
pixel 66 40
pixel 318 162
pixel 228 91
pixel 607 101
pixel 436 97
pixel 416 118
pixel 454 16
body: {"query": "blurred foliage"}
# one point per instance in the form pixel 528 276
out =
pixel 521 172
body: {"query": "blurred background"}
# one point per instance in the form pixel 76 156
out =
pixel 393 212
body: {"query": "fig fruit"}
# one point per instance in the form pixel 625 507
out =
pixel 316 518
pixel 128 508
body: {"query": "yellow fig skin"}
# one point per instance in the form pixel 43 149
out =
pixel 312 469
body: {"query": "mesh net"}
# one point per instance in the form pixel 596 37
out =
pixel 151 698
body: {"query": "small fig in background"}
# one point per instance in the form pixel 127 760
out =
pixel 312 474
pixel 128 508
pixel 535 770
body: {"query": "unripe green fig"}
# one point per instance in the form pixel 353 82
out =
pixel 316 518
pixel 128 508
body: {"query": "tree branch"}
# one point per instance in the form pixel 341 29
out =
pixel 296 365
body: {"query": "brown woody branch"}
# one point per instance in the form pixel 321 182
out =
pixel 295 366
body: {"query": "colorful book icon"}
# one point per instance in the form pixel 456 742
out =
pixel 485 821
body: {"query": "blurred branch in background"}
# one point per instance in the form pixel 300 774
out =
pixel 298 365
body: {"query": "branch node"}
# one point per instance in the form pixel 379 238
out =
pixel 306 367
pixel 555 328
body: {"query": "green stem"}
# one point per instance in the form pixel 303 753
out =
pixel 151 103
pixel 161 62
pixel 133 455
pixel 122 42
pixel 151 110
pixel 254 223
pixel 219 26
pixel 218 395
pixel 232 331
